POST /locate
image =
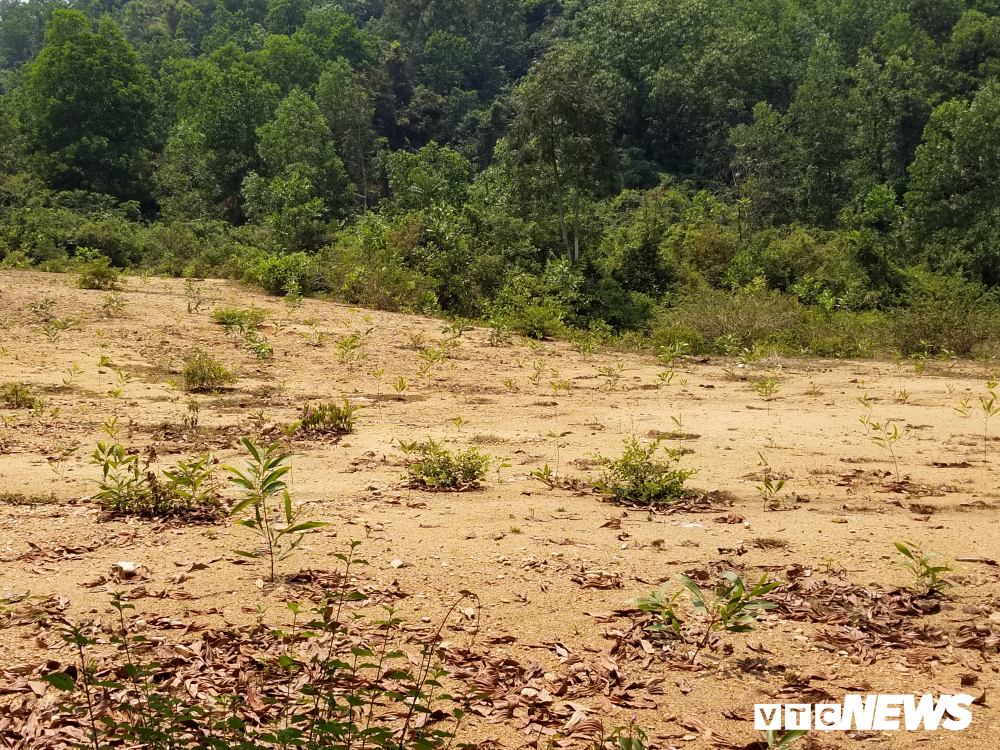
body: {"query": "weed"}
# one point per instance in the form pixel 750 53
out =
pixel 560 385
pixel 190 482
pixel 459 422
pixel 399 386
pixel 258 345
pixel 329 417
pixel 239 319
pixel 113 305
pixel 919 564
pixel 18 396
pixel 43 309
pixel 668 354
pixel 203 373
pixel 767 389
pixel 733 606
pixel 886 435
pixel 611 374
pixel 350 350
pixel 499 335
pixel 814 389
pixel 192 292
pixel 510 385
pixel 65 450
pixel 73 372
pixel 769 491
pixel 902 396
pixel 437 467
pixel 636 477
pixel 261 480
pixel 191 418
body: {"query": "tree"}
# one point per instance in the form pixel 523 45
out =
pixel 285 16
pixel 954 199
pixel 345 104
pixel 434 175
pixel 561 116
pixel 764 166
pixel 87 108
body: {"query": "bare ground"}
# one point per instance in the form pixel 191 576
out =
pixel 532 555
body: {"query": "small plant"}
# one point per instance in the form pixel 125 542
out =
pixel 991 407
pixel 329 417
pixel 611 374
pixel 666 377
pixel 929 577
pixel 73 372
pixel 560 385
pixel 399 386
pixel 203 373
pixel 18 396
pixel 902 396
pixel 733 606
pixel 190 482
pixel 42 309
pixel 510 385
pixel 814 389
pixel 113 305
pixel 280 531
pixel 776 739
pixel 767 389
pixel 964 407
pixel 538 367
pixel 546 476
pixel 769 491
pixel 257 344
pixel 499 335
pixel 350 351
pixel 193 295
pixel 636 477
pixel 122 488
pixel 190 419
pixel 439 468
pixel 239 320
pixel 65 450
pixel 886 435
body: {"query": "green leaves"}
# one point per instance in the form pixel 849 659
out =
pixel 60 681
pixel 929 577
pixel 262 478
pixel 733 606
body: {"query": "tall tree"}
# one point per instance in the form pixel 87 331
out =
pixel 348 110
pixel 87 107
pixel 562 117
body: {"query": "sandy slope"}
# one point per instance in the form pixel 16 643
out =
pixel 845 513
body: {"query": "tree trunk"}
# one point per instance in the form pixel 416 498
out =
pixel 559 197
pixel 576 216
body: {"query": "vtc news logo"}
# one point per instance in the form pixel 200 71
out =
pixel 880 712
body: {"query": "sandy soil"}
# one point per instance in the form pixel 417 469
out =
pixel 513 542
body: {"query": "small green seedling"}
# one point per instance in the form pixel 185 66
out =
pixel 929 577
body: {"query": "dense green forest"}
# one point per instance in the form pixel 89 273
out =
pixel 819 175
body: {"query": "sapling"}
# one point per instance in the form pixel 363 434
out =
pixel 399 386
pixel 886 434
pixel 279 531
pixel 990 409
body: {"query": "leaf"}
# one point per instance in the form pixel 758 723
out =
pixel 305 526
pixel 60 680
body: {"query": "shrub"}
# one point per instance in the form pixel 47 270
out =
pixel 97 273
pixel 280 274
pixel 540 321
pixel 203 373
pixel 125 488
pixel 330 417
pixel 678 333
pixel 438 467
pixel 18 396
pixel 637 478
pixel 233 318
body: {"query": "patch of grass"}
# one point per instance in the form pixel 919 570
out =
pixel 637 477
pixel 203 373
pixel 487 439
pixel 330 418
pixel 18 396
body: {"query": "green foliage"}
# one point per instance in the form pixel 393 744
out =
pixel 126 489
pixel 930 578
pixel 733 606
pixel 329 417
pixel 636 477
pixel 18 396
pixel 98 273
pixel 203 373
pixel 436 467
pixel 280 530
pixel 239 319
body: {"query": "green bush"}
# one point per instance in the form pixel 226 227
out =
pixel 677 333
pixel 231 318
pixel 543 321
pixel 18 396
pixel 438 467
pixel 330 417
pixel 637 478
pixel 98 274
pixel 280 274
pixel 203 373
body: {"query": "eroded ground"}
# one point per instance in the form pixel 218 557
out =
pixel 553 569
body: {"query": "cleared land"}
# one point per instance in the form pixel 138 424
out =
pixel 553 569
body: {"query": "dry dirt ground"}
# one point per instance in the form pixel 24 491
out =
pixel 554 569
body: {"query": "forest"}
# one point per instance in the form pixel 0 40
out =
pixel 713 175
